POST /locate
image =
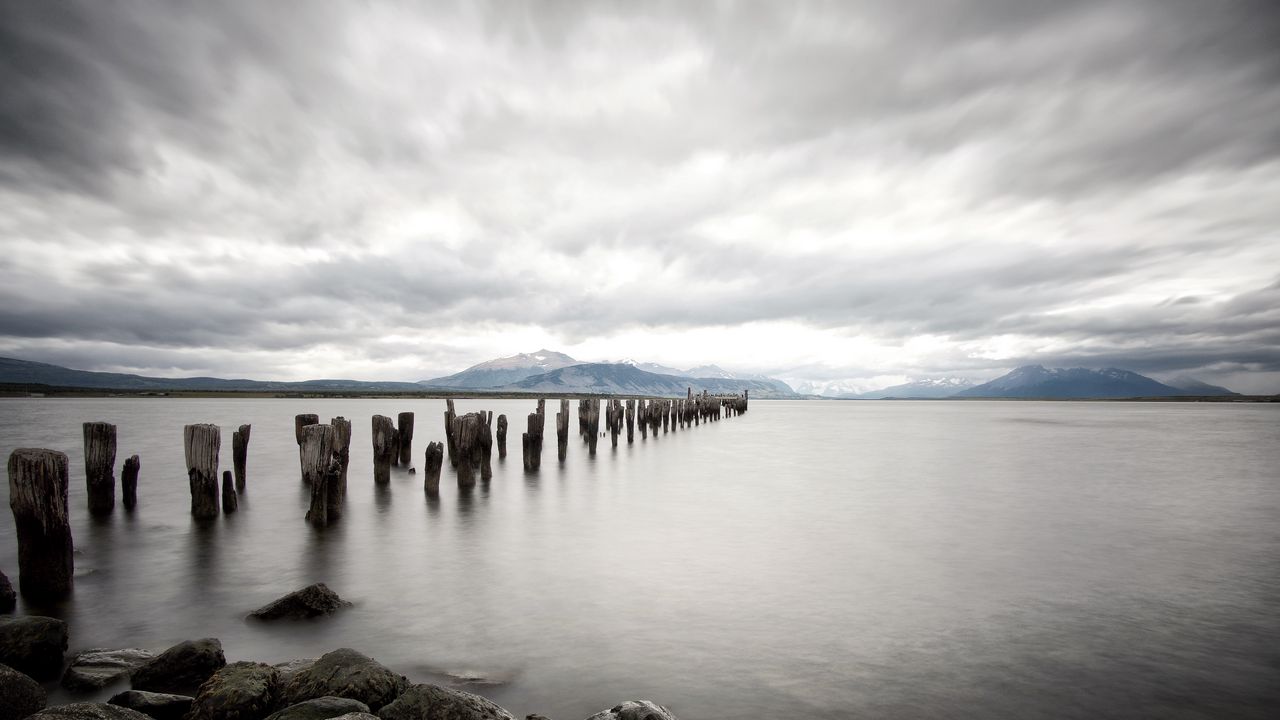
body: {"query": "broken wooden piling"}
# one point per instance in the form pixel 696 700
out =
pixel 562 430
pixel 531 439
pixel 240 454
pixel 631 420
pixel 201 443
pixel 502 437
pixel 299 422
pixel 38 498
pixel 342 455
pixel 320 468
pixel 99 466
pixel 431 467
pixel 467 430
pixel 450 414
pixel 229 503
pixel 486 445
pixel 383 448
pixel 129 482
pixel 405 429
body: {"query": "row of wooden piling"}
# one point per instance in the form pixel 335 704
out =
pixel 38 478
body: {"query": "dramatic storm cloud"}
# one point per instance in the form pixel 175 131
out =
pixel 858 191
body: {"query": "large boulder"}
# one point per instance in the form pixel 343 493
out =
pixel 8 598
pixel 634 710
pixel 432 702
pixel 19 695
pixel 33 645
pixel 349 674
pixel 160 706
pixel 310 602
pixel 321 708
pixel 239 691
pixel 98 668
pixel 357 715
pixel 289 668
pixel 182 668
pixel 88 711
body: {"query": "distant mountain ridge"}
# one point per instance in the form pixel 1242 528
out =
pixel 1036 381
pixel 504 371
pixel 627 379
pixel 929 388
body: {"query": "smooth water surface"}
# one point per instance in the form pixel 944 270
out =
pixel 807 559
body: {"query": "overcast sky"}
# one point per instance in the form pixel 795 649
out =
pixel 861 192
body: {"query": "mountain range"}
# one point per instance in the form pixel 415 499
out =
pixel 1036 381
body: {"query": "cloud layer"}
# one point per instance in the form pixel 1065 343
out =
pixel 821 191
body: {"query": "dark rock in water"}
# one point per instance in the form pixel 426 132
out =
pixel 19 695
pixel 432 702
pixel 290 668
pixel 536 716
pixel 309 602
pixel 239 691
pixel 88 711
pixel 33 645
pixel 357 716
pixel 321 708
pixel 8 598
pixel 98 668
pixel 634 710
pixel 160 706
pixel 182 668
pixel 349 674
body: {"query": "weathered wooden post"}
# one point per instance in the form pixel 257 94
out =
pixel 129 482
pixel 531 440
pixel 486 445
pixel 38 498
pixel 640 419
pixel 593 424
pixel 502 437
pixel 562 430
pixel 201 443
pixel 431 470
pixel 99 466
pixel 383 448
pixel 342 454
pixel 240 454
pixel 467 430
pixel 299 422
pixel 631 420
pixel 319 467
pixel 229 503
pixel 450 441
pixel 405 422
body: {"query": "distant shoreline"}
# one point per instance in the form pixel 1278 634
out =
pixel 20 390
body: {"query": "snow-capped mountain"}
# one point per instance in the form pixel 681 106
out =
pixel 1036 381
pixel 925 388
pixel 504 371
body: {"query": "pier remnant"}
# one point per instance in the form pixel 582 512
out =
pixel 320 468
pixel 240 454
pixel 342 455
pixel 129 482
pixel 562 430
pixel 201 443
pixel 229 503
pixel 299 422
pixel 467 430
pixel 384 448
pixel 631 420
pixel 433 461
pixel 38 499
pixel 450 441
pixel 486 445
pixel 99 466
pixel 531 439
pixel 502 437
pixel 405 428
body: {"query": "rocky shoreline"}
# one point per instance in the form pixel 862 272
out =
pixel 193 680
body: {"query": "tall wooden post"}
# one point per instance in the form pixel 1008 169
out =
pixel 631 420
pixel 502 437
pixel 229 502
pixel 450 441
pixel 201 443
pixel 562 430
pixel 405 428
pixel 383 448
pixel 129 482
pixel 342 454
pixel 240 454
pixel 99 466
pixel 486 445
pixel 319 467
pixel 38 498
pixel 431 468
pixel 299 422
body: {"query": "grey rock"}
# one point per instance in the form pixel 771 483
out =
pixel 536 716
pixel 33 645
pixel 357 716
pixel 289 668
pixel 312 601
pixel 182 668
pixel 98 668
pixel 88 711
pixel 19 695
pixel 432 702
pixel 349 674
pixel 160 706
pixel 8 598
pixel 239 691
pixel 321 708
pixel 634 710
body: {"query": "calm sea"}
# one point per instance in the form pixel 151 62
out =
pixel 806 560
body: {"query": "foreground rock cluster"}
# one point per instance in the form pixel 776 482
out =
pixel 193 681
